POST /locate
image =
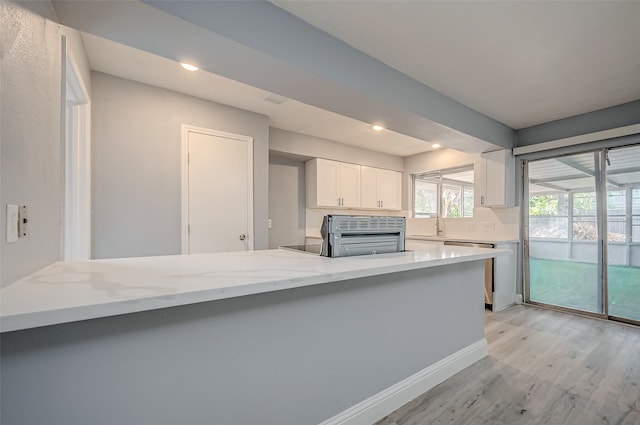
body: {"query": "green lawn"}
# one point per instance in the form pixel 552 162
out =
pixel 573 284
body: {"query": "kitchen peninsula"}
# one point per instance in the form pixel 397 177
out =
pixel 260 337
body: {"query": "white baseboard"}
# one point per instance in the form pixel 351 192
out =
pixel 378 406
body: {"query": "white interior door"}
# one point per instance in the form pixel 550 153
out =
pixel 218 215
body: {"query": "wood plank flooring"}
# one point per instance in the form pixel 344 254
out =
pixel 544 367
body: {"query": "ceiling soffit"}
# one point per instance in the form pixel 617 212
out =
pixel 295 60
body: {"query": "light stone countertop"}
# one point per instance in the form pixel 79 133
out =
pixel 73 291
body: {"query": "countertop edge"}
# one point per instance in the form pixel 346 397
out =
pixel 17 322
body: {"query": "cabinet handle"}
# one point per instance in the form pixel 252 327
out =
pixel 381 204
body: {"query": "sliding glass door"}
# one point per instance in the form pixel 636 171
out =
pixel 623 236
pixel 563 232
pixel 573 202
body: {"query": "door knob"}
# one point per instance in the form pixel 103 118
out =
pixel 243 237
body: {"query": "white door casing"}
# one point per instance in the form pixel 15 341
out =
pixel 217 191
pixel 76 238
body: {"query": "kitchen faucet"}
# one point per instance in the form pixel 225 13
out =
pixel 439 227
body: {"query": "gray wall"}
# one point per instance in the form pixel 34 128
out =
pixel 287 197
pixel 136 164
pixel 30 142
pixel 291 357
pixel 603 119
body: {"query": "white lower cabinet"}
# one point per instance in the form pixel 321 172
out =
pixel 380 189
pixel 504 277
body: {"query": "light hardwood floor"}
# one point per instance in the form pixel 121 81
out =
pixel 543 367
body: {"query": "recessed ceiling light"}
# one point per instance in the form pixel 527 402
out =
pixel 435 145
pixel 188 67
pixel 378 128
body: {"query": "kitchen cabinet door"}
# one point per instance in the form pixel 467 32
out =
pixel 327 183
pixel 504 277
pixel 349 185
pixel 497 171
pixel 389 189
pixel 332 184
pixel 380 189
pixel 369 187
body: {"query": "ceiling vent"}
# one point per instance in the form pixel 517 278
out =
pixel 274 98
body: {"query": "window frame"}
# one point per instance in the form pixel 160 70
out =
pixel 438 178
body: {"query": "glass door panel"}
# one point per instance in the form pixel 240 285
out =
pixel 563 232
pixel 623 233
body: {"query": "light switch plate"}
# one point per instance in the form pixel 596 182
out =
pixel 23 222
pixel 12 223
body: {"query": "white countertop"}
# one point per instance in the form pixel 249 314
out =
pixel 72 291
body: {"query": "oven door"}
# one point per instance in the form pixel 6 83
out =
pixel 351 245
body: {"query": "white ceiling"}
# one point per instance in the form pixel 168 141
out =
pixel 519 62
pixel 126 62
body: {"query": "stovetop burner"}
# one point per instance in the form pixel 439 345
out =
pixel 309 249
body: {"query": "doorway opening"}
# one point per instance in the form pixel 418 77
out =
pixel 582 232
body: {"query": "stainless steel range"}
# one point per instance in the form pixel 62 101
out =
pixel 348 235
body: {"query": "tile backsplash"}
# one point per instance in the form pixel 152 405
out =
pixel 486 224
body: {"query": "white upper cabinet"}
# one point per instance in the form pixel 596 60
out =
pixel 497 184
pixel 332 184
pixel 369 187
pixel 349 185
pixel 380 189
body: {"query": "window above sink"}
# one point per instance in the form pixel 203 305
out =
pixel 445 193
